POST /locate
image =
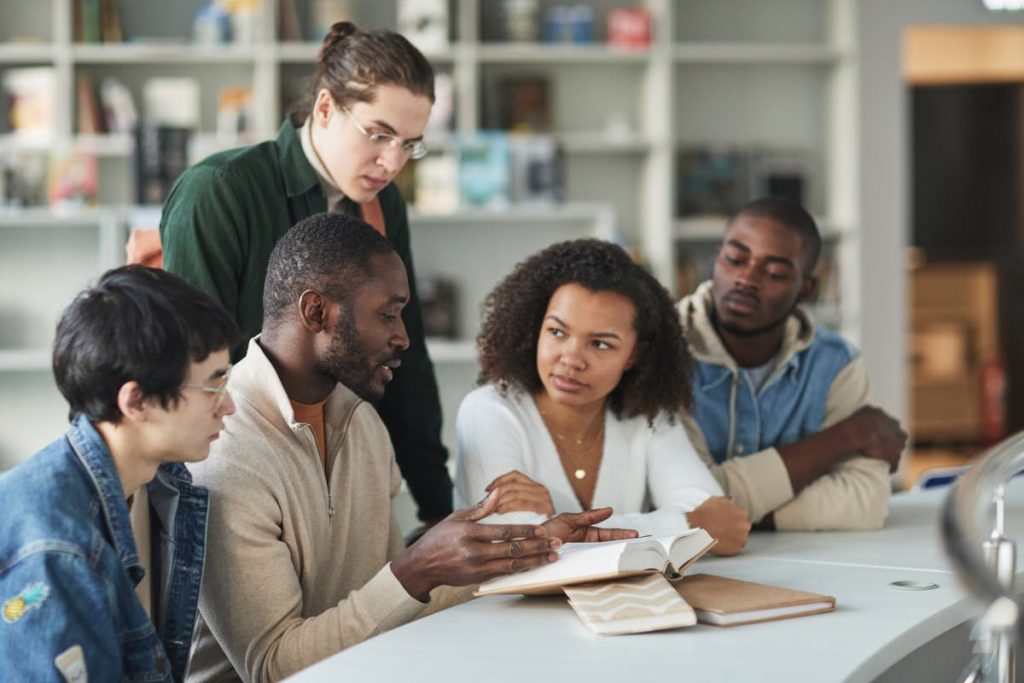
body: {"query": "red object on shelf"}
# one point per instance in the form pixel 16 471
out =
pixel 992 407
pixel 629 27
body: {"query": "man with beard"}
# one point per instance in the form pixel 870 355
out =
pixel 304 556
pixel 781 415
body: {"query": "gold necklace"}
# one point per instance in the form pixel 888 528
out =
pixel 572 449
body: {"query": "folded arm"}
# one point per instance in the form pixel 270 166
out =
pixel 818 479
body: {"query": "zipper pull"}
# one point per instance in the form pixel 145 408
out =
pixel 330 509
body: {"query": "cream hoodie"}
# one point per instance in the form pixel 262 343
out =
pixel 852 495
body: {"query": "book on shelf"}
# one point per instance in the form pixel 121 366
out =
pixel 669 554
pixel 711 181
pixel 536 169
pixel 97 21
pixel 161 155
pixel 442 114
pixel 171 101
pixel 483 169
pixel 23 178
pixel 289 29
pixel 721 601
pixel 519 104
pixel 439 303
pixel 424 23
pixel 30 94
pixel 569 24
pixel 235 114
pixel 436 187
pixel 90 115
pixel 326 13
pixel 111 29
pixel 119 112
pixel 73 178
pixel 636 605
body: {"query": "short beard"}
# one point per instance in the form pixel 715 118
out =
pixel 346 361
pixel 741 332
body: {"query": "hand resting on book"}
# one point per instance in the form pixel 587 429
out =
pixel 460 552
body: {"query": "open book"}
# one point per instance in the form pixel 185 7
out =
pixel 587 562
pixel 730 602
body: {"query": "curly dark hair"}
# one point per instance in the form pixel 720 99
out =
pixel 514 313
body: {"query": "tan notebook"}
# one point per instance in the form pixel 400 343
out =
pixel 636 605
pixel 589 562
pixel 730 602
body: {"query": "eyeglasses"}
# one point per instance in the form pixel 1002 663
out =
pixel 219 391
pixel 414 149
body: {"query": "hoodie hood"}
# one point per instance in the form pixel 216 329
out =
pixel 707 347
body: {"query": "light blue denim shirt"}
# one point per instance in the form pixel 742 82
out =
pixel 69 567
pixel 739 419
pixel 818 380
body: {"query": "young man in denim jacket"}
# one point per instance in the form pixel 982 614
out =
pixel 142 359
pixel 781 412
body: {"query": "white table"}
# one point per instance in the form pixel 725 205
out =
pixel 874 627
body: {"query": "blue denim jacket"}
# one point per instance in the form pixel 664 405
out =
pixel 69 566
pixel 739 419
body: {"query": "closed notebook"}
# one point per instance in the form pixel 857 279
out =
pixel 730 602
pixel 636 605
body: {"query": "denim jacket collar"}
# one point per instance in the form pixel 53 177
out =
pixel 95 457
pixel 707 347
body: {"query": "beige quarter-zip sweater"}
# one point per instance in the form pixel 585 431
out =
pixel 297 566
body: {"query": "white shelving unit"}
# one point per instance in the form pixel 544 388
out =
pixel 45 258
pixel 718 73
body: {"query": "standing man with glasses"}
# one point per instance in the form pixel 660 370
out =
pixel 339 151
pixel 103 539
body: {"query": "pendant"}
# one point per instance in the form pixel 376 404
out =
pixel 580 473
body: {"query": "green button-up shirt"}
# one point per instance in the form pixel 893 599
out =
pixel 219 225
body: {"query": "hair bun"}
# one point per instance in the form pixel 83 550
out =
pixel 340 30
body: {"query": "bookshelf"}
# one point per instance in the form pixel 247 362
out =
pixel 720 74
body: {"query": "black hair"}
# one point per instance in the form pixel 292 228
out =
pixel 514 312
pixel 353 62
pixel 791 215
pixel 327 252
pixel 136 323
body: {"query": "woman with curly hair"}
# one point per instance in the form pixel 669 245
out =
pixel 584 369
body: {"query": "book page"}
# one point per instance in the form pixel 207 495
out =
pixel 687 548
pixel 579 562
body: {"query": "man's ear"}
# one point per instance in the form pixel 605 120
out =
pixel 313 310
pixel 132 402
pixel 808 288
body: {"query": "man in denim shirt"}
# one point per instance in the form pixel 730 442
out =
pixel 142 359
pixel 781 412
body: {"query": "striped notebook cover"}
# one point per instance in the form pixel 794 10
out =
pixel 636 605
